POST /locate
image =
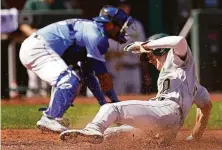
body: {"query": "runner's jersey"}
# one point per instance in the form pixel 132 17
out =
pixel 177 80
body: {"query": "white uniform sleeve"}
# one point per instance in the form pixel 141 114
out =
pixel 202 96
pixel 177 43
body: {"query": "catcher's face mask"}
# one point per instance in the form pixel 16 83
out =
pixel 116 16
pixel 122 20
pixel 122 33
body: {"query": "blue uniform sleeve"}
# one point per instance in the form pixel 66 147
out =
pixel 96 46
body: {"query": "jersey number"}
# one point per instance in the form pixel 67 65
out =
pixel 166 85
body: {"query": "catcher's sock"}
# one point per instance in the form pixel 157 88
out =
pixel 93 85
pixel 112 95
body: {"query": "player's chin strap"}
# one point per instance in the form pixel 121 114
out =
pixel 63 94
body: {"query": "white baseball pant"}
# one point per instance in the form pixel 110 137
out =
pixel 144 115
pixel 37 56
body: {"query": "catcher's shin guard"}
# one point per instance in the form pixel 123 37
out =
pixel 63 94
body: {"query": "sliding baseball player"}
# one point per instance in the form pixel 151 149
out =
pixel 178 89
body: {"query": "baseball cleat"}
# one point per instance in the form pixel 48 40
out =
pixel 85 135
pixel 52 125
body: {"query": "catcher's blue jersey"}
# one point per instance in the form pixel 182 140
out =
pixel 81 34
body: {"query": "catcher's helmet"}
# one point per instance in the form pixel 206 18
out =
pixel 118 17
pixel 160 51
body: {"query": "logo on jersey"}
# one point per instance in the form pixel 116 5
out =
pixel 194 90
pixel 65 86
pixel 166 85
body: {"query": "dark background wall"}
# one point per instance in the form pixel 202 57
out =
pixel 168 17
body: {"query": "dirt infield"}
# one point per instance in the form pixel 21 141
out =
pixel 35 140
pixel 27 139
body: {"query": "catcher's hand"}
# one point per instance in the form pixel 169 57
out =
pixel 136 47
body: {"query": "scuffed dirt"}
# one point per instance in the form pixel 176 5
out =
pixel 33 139
pixel 27 139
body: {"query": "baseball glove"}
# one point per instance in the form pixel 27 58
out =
pixel 136 47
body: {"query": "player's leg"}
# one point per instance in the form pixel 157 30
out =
pixel 49 66
pixel 65 90
pixel 116 133
pixel 44 88
pixel 33 85
pixel 129 134
pixel 146 115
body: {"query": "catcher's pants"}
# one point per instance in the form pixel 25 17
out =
pixel 144 115
pixel 39 57
pixel 35 55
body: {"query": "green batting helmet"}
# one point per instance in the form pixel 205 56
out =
pixel 159 51
pixel 156 52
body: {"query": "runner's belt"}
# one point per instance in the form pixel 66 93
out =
pixel 180 109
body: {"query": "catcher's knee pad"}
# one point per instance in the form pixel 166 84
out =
pixel 63 94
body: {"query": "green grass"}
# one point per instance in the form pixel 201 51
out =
pixel 215 121
pixel 26 116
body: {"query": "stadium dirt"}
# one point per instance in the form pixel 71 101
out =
pixel 35 140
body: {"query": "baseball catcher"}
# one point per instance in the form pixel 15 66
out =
pixel 164 114
pixel 88 42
